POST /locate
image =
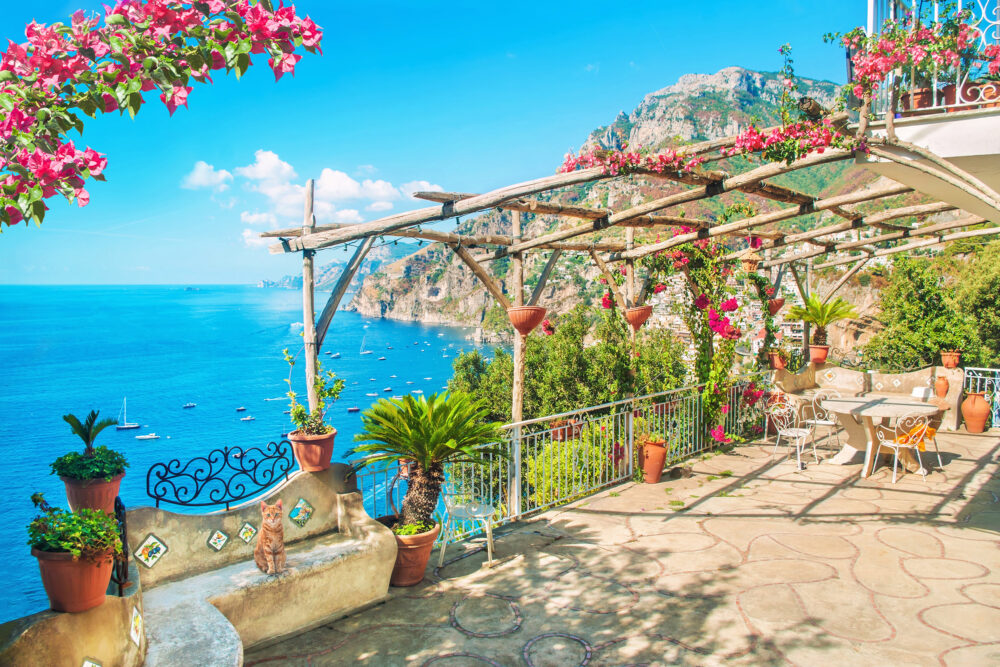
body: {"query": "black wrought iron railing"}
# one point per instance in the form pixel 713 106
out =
pixel 222 477
pixel 120 572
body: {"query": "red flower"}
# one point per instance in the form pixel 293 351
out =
pixel 606 301
pixel 702 302
pixel 547 328
pixel 728 306
pixel 659 288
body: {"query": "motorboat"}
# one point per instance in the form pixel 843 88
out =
pixel 188 406
pixel 354 409
pixel 147 436
pixel 248 418
pixel 241 409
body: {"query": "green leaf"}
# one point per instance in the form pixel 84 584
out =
pixel 134 103
pixel 38 210
pixel 6 101
pixel 116 44
pixel 242 64
pixel 116 19
pixel 7 75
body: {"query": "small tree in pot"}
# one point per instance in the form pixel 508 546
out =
pixel 92 478
pixel 821 314
pixel 429 432
pixel 312 441
pixel 75 552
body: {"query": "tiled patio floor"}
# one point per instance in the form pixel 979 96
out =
pixel 766 566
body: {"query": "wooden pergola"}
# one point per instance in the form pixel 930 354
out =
pixel 579 228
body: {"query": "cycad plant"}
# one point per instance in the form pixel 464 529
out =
pixel 822 314
pixel 89 429
pixel 430 432
pixel 94 462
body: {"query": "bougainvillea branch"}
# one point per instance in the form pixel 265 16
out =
pixel 86 67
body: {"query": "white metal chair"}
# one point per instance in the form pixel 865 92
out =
pixel 816 415
pixel 785 419
pixel 465 507
pixel 910 432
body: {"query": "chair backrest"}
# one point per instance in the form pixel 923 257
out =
pixel 815 409
pixel 911 429
pixel 782 415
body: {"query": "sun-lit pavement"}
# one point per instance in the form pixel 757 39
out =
pixel 746 562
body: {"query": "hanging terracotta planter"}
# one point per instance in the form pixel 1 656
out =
pixel 525 318
pixel 774 305
pixel 654 454
pixel 638 315
pixel 941 386
pixel 950 358
pixel 818 353
pixel 975 410
pixel 95 494
pixel 73 584
pixel 313 452
pixel 776 360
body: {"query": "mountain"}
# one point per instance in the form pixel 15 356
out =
pixel 326 276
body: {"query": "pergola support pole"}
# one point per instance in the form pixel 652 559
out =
pixel 517 287
pixel 844 278
pixel 308 300
pixel 612 285
pixel 484 277
pixel 340 289
pixel 536 294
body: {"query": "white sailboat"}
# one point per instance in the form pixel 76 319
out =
pixel 123 423
pixel 363 350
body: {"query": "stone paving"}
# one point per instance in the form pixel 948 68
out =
pixel 746 562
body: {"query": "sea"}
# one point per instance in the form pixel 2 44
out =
pixel 70 349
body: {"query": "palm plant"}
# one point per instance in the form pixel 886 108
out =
pixel 822 314
pixel 430 432
pixel 89 429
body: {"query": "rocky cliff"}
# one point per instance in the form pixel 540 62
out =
pixel 327 275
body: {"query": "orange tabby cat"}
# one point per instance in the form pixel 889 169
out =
pixel 269 554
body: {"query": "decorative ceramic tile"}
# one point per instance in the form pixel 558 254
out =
pixel 218 540
pixel 135 630
pixel 151 550
pixel 90 662
pixel 896 382
pixel 830 375
pixel 878 386
pixel 247 532
pixel 301 513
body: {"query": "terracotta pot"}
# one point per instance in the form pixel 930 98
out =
pixel 95 494
pixel 975 410
pixel 526 318
pixel 920 98
pixel 818 353
pixel 412 554
pixel 941 386
pixel 313 452
pixel 654 454
pixel 73 585
pixel 774 305
pixel 950 359
pixel 776 361
pixel 637 316
pixel 566 430
pixel 975 94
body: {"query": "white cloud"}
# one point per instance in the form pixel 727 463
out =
pixel 334 185
pixel 258 218
pixel 347 215
pixel 267 167
pixel 419 186
pixel 379 206
pixel 252 240
pixel 204 175
pixel 366 170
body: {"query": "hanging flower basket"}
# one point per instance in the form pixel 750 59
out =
pixel 637 316
pixel 774 305
pixel 526 318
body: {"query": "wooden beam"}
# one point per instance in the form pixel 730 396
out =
pixel 914 246
pixel 468 240
pixel 330 309
pixel 483 276
pixel 843 279
pixel 612 285
pixel 308 297
pixel 516 264
pixel 522 205
pixel 536 294
pixel 448 210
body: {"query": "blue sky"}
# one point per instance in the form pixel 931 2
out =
pixel 460 95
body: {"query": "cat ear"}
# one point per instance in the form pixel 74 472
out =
pixel 279 503
pixel 263 506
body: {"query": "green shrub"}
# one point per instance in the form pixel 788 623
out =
pixel 87 534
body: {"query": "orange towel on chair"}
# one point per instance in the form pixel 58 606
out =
pixel 914 433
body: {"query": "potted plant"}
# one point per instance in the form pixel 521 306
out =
pixel 92 478
pixel 951 358
pixel 654 455
pixel 312 441
pixel 565 429
pixel 75 552
pixel 821 314
pixel 778 358
pixel 430 432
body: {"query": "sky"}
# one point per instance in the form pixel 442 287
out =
pixel 459 96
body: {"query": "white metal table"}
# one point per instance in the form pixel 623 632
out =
pixel 858 415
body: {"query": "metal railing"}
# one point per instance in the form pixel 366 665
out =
pixel 986 380
pixel 966 86
pixel 556 459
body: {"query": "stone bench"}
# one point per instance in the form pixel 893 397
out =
pixel 803 385
pixel 204 605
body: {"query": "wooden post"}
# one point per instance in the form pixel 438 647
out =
pixel 517 287
pixel 308 305
pixel 630 279
pixel 340 289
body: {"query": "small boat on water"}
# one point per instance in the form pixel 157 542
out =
pixel 381 358
pixel 123 422
pixel 241 409
pixel 188 406
pixel 278 398
pixel 388 347
pixel 428 378
pixel 371 379
pixel 284 435
pixel 363 350
pixel 371 393
pixel 392 376
pixel 335 355
pixel 147 436
pixel 354 409
pixel 328 353
pixel 416 391
pixel 288 412
pixel 440 335
pixel 409 382
pixel 248 418
pixel 387 389
pixel 397 398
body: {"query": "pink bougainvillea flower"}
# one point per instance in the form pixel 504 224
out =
pixel 284 65
pixel 725 409
pixel 659 288
pixel 719 434
pixel 606 300
pixel 176 98
pixel 702 302
pixel 547 328
pixel 755 242
pixel 728 306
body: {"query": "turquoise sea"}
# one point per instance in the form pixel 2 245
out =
pixel 74 348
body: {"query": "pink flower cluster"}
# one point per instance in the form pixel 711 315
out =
pixel 607 301
pixel 659 288
pixel 617 453
pixel 719 435
pixel 617 162
pixel 752 394
pixel 144 45
pixel 811 137
pixel 547 328
pixel 721 325
pixel 755 242
pixel 992 56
